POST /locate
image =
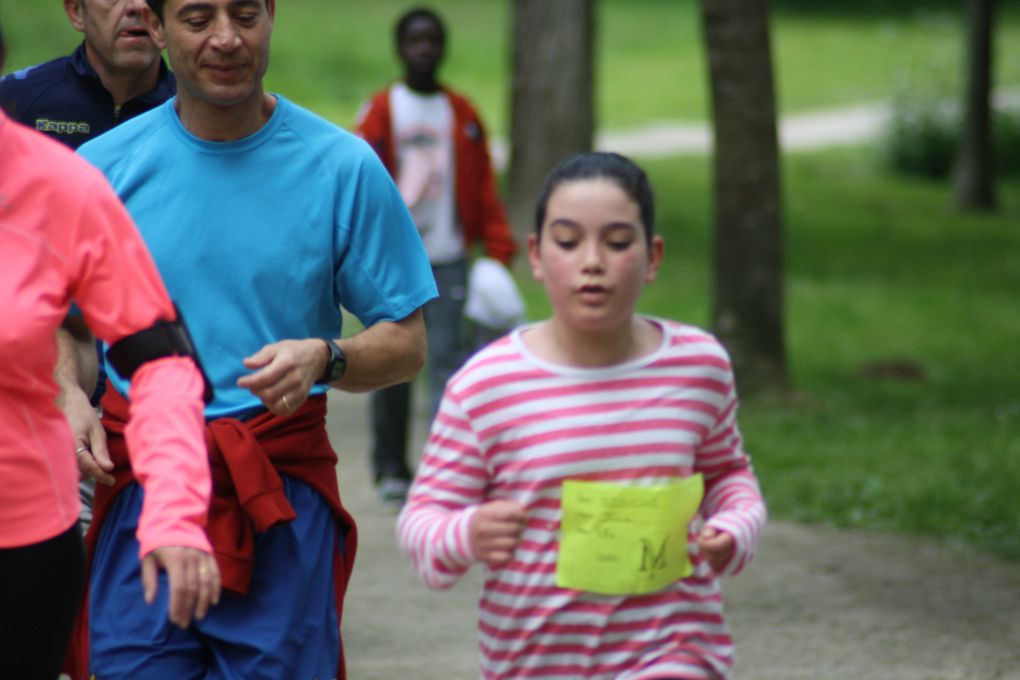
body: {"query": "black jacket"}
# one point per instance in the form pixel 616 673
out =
pixel 65 99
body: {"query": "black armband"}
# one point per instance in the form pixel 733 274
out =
pixel 162 339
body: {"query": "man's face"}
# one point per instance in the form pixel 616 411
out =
pixel 219 49
pixel 115 33
pixel 421 47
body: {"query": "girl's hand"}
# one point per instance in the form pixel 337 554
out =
pixel 495 531
pixel 717 546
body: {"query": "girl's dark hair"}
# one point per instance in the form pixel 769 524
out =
pixel 602 165
pixel 404 22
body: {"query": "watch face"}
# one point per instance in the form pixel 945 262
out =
pixel 337 368
pixel 337 362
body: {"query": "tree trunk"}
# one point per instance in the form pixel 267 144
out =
pixel 747 290
pixel 552 111
pixel 973 174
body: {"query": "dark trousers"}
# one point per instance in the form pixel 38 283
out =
pixel 40 591
pixel 390 407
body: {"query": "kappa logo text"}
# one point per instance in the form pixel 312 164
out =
pixel 62 127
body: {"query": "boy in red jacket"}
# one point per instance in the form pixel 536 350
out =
pixel 432 141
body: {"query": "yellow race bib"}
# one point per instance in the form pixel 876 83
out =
pixel 625 540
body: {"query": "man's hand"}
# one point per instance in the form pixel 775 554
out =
pixel 89 436
pixel 495 531
pixel 194 581
pixel 285 372
pixel 75 374
pixel 718 547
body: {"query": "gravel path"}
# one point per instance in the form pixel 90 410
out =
pixel 804 131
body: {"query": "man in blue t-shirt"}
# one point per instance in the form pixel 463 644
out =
pixel 114 75
pixel 263 220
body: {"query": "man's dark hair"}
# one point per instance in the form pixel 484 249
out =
pixel 404 22
pixel 157 6
pixel 602 165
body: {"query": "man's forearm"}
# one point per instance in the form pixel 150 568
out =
pixel 384 354
pixel 76 373
pixel 77 363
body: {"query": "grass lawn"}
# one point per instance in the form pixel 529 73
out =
pixel 330 55
pixel 878 269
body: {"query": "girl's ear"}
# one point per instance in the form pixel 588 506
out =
pixel 655 253
pixel 536 266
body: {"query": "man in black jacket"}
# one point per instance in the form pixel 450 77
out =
pixel 115 74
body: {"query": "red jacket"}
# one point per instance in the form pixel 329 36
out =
pixel 481 213
pixel 247 459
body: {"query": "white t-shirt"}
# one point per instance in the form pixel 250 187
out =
pixel 423 133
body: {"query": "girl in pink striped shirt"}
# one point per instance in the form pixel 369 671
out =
pixel 562 456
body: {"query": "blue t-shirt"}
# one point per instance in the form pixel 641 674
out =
pixel 262 239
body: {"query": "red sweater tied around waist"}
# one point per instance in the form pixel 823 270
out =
pixel 247 459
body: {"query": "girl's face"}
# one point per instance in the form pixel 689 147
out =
pixel 593 257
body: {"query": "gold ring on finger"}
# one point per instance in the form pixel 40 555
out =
pixel 286 405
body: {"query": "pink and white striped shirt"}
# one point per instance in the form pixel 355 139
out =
pixel 513 426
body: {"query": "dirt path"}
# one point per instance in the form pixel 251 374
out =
pixel 803 131
pixel 817 604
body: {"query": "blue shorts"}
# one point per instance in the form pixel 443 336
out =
pixel 285 627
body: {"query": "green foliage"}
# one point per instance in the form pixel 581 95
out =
pixel 923 126
pixel 1006 135
pixel 922 140
pixel 923 132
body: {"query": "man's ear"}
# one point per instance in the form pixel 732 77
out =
pixel 75 14
pixel 271 8
pixel 154 26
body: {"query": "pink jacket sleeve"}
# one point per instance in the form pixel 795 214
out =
pixel 168 454
pixel 120 292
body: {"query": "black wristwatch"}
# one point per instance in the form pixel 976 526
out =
pixel 336 366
